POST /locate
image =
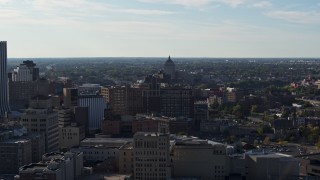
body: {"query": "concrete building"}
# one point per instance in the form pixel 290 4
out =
pixel 102 151
pixel 200 159
pixel 26 71
pixel 42 119
pixel 96 105
pixel 4 94
pixel 126 159
pixel 151 156
pixel 71 135
pixel 264 166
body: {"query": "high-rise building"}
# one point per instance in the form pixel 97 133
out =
pixel 177 102
pixel 124 100
pixel 151 156
pixel 4 96
pixel 41 118
pixel 170 68
pixel 26 72
pixel 24 84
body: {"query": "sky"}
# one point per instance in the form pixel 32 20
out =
pixel 158 28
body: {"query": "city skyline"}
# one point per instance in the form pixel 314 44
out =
pixel 157 28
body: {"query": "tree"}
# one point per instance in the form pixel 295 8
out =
pixel 254 109
pixel 237 111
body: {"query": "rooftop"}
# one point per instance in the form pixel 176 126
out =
pixel 15 141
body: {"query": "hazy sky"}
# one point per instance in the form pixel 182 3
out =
pixel 181 28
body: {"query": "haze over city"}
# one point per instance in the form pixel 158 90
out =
pixel 157 28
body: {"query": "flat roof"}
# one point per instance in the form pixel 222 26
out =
pixel 106 140
pixel 15 141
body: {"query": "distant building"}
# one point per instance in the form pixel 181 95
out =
pixel 26 71
pixel 201 113
pixel 124 100
pixel 151 95
pixel 151 156
pixel 177 102
pixel 4 94
pixel 170 68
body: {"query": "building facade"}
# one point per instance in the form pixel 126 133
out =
pixel 96 105
pixel 177 102
pixel 25 72
pixel 14 153
pixel 41 118
pixel 151 156
pixel 200 159
pixel 4 95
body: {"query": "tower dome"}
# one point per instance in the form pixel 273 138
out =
pixel 169 68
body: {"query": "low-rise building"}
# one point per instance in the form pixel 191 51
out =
pixel 263 166
pixel 201 159
pixel 71 135
pixel 54 166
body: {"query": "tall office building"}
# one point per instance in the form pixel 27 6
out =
pixel 4 96
pixel 41 118
pixel 26 71
pixel 170 68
